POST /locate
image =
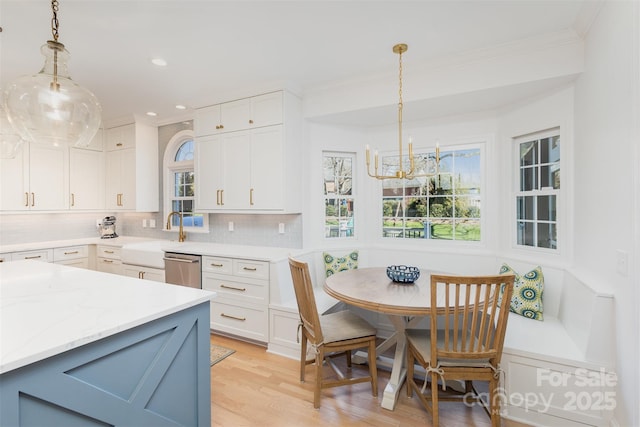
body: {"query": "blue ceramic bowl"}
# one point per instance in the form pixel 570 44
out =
pixel 403 273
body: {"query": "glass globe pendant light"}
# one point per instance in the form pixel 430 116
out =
pixel 49 107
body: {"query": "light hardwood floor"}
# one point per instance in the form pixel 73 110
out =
pixel 255 388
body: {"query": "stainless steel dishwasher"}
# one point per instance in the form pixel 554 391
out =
pixel 183 269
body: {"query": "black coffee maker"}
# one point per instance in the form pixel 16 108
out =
pixel 108 228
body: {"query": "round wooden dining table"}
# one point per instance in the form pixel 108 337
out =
pixel 404 304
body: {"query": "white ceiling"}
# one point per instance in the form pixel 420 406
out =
pixel 221 50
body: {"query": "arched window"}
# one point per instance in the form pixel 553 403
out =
pixel 179 183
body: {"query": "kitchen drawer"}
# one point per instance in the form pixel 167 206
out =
pixel 108 265
pixel 45 255
pixel 247 322
pixel 254 269
pixel 217 265
pixel 245 291
pixel 110 252
pixel 70 252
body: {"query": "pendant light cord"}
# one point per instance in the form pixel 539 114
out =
pixel 54 20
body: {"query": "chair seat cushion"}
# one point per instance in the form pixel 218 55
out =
pixel 421 340
pixel 344 325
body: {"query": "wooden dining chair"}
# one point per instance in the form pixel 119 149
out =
pixel 464 342
pixel 330 335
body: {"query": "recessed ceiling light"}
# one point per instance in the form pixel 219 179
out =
pixel 159 62
pixel 151 113
pixel 181 107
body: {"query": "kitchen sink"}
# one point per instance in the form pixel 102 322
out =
pixel 147 254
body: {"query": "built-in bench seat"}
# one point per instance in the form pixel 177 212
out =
pixel 557 372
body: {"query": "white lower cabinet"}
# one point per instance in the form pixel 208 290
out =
pixel 146 273
pixel 108 259
pixel 74 256
pixel 241 304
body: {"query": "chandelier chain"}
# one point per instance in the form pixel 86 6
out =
pixel 54 20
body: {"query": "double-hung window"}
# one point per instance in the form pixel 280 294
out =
pixel 538 191
pixel 445 206
pixel 179 183
pixel 339 199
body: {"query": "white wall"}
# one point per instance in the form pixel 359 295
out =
pixel 606 175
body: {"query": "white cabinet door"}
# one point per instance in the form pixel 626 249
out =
pixel 86 179
pixel 121 179
pixel 237 177
pixel 209 172
pixel 236 115
pixel 48 177
pixel 266 110
pixel 14 181
pixel 36 179
pixel 207 121
pixel 145 273
pixel 267 168
pixel 121 137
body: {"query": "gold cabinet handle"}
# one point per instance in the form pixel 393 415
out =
pixel 33 199
pixel 217 197
pixel 222 197
pixel 140 274
pixel 26 199
pixel 108 261
pixel 73 199
pixel 33 257
pixel 251 197
pixel 217 265
pixel 233 288
pixel 249 268
pixel 108 252
pixel 119 144
pixel 233 317
pixel 71 253
pixel 250 121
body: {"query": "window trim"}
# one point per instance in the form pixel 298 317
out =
pixel 169 167
pixel 353 156
pixel 480 143
pixel 516 192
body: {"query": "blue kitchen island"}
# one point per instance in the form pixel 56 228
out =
pixel 84 348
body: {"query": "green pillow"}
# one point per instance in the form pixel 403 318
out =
pixel 527 292
pixel 335 264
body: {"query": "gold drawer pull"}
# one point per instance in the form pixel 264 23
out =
pixel 250 121
pixel 108 261
pixel 234 288
pixel 108 252
pixel 119 144
pixel 233 317
pixel 71 253
pixel 33 257
pixel 216 265
pixel 250 268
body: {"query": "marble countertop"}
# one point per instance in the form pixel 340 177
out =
pixel 46 309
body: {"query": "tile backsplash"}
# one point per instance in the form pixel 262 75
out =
pixel 252 230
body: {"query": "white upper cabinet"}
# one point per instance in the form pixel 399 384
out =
pixel 242 114
pixel 132 168
pixel 36 179
pixel 86 179
pixel 256 168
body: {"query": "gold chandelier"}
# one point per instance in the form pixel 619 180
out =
pixel 401 173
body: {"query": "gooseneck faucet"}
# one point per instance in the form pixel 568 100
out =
pixel 182 236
